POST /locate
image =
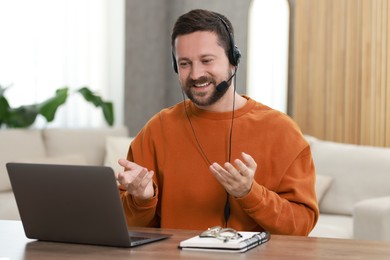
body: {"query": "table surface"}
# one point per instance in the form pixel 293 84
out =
pixel 15 245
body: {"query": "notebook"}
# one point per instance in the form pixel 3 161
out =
pixel 73 204
pixel 247 241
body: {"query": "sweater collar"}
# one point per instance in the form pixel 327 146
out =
pixel 196 111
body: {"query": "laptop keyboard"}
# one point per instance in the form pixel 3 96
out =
pixel 134 239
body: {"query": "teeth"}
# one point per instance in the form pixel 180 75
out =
pixel 202 85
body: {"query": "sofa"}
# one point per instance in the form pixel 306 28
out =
pixel 352 182
pixel 353 190
pixel 84 146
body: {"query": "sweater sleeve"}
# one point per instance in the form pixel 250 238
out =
pixel 141 212
pixel 291 209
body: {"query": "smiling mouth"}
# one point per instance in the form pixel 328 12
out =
pixel 202 85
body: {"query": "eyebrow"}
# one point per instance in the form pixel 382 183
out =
pixel 201 57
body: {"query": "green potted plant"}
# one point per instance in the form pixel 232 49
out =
pixel 24 116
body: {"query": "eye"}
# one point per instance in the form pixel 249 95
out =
pixel 207 61
pixel 183 64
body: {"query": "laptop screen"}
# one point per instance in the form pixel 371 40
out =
pixel 69 203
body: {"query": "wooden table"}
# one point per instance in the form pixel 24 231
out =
pixel 14 245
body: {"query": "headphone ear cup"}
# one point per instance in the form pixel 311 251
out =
pixel 174 64
pixel 236 56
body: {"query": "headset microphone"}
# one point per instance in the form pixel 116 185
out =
pixel 224 84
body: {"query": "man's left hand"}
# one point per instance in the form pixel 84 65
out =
pixel 237 179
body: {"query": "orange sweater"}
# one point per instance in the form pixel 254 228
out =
pixel 187 195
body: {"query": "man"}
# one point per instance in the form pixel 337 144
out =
pixel 218 158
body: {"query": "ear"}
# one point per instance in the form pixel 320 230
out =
pixel 233 68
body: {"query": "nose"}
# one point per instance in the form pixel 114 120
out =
pixel 197 71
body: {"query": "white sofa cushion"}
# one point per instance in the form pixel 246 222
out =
pixel 89 142
pixel 371 219
pixel 358 172
pixel 8 209
pixel 116 148
pixel 16 144
pixel 335 226
pixel 73 159
pixel 310 139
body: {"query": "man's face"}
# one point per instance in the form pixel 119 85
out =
pixel 202 65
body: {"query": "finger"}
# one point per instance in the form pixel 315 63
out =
pixel 120 178
pixel 233 171
pixel 228 175
pixel 241 167
pixel 216 169
pixel 139 189
pixel 249 161
pixel 123 178
pixel 146 180
pixel 128 164
pixel 122 162
pixel 136 182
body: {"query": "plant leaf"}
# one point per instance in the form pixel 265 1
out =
pixel 21 117
pixel 24 116
pixel 4 109
pixel 49 107
pixel 107 107
pixel 108 112
pixel 90 96
pixel 2 90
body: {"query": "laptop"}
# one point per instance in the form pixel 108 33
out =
pixel 73 204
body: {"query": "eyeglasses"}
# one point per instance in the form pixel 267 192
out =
pixel 224 234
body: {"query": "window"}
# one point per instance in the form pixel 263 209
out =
pixel 268 52
pixel 48 44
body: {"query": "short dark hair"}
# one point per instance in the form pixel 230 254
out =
pixel 204 20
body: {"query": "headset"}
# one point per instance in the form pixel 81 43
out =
pixel 234 53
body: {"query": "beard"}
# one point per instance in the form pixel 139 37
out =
pixel 198 97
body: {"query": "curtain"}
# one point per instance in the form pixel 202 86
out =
pixel 46 45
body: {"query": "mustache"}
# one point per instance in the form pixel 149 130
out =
pixel 200 80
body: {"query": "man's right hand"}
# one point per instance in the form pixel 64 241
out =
pixel 137 180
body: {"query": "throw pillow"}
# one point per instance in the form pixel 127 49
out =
pixel 15 144
pixel 116 148
pixel 323 183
